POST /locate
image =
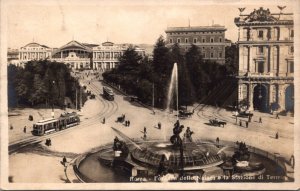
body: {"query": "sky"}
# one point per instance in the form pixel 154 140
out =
pixel 56 22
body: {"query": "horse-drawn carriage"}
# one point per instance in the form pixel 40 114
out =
pixel 121 119
pixel 245 114
pixel 185 113
pixel 215 122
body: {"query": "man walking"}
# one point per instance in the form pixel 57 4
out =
pixel 260 120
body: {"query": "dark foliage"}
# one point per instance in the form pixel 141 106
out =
pixel 196 77
pixel 42 83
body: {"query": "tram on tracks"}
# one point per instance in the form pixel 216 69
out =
pixel 108 94
pixel 51 125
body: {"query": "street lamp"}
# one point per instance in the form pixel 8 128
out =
pixel 52 113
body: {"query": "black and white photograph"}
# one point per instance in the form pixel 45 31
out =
pixel 134 95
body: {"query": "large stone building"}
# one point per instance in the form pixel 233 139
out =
pixel 33 51
pixel 210 40
pixel 266 60
pixel 74 54
pixel 106 56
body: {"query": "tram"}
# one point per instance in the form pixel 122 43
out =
pixel 108 93
pixel 51 125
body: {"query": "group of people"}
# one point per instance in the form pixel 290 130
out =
pixel 246 123
pixel 241 145
pixel 127 123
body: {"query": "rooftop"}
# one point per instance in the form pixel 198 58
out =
pixel 196 28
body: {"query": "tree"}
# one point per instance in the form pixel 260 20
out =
pixel 130 60
pixel 197 76
pixel 43 82
pixel 161 57
pixel 231 59
pixel 38 93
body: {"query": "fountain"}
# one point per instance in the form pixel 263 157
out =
pixel 173 88
pixel 179 159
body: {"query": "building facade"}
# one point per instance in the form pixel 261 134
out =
pixel 33 51
pixel 74 54
pixel 106 56
pixel 266 60
pixel 210 40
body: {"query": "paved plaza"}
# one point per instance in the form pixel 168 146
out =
pixel 92 133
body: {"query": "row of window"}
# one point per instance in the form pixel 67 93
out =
pixel 212 55
pixel 195 40
pixel 261 33
pixel 260 67
pixel 260 49
pixel 203 32
pixel 33 48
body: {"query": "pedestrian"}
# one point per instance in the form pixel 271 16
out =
pixel 246 124
pixel 159 125
pixel 64 161
pixel 240 122
pixel 145 130
pixel 128 123
pixel 24 130
pixel 217 140
pixel 276 135
pixel 103 121
pixel 11 127
pixel 249 118
pixel 277 116
pixel 260 120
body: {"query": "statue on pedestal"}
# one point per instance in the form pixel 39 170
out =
pixel 175 138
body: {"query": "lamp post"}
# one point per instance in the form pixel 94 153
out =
pixel 52 113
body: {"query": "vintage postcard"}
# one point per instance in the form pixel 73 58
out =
pixel 134 95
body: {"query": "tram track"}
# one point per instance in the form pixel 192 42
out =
pixel 215 113
pixel 109 108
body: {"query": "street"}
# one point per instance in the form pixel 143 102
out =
pixel 41 164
